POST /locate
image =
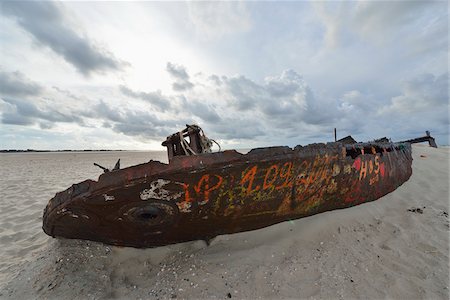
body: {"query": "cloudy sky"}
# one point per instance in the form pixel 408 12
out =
pixel 124 75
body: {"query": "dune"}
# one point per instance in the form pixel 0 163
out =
pixel 395 247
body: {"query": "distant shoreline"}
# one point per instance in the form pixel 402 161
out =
pixel 34 150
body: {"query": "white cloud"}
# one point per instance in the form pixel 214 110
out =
pixel 335 17
pixel 423 93
pixel 377 22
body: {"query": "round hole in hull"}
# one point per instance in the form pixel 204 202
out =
pixel 148 213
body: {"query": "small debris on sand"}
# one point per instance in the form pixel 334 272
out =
pixel 416 210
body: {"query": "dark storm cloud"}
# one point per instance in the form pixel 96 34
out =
pixel 45 21
pixel 181 77
pixel 157 100
pixel 16 84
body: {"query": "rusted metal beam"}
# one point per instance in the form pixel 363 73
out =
pixel 427 138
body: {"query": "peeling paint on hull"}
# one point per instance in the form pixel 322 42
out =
pixel 200 197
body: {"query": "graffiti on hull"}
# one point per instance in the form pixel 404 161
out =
pixel 296 186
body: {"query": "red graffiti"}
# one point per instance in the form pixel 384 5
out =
pixel 382 169
pixel 357 163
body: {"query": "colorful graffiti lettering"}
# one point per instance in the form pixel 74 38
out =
pixel 369 167
pixel 306 181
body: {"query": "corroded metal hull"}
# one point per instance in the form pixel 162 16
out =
pixel 202 196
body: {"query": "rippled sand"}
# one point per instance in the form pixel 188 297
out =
pixel 395 247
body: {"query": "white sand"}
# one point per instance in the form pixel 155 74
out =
pixel 375 250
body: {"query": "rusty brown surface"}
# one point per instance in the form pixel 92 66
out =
pixel 202 196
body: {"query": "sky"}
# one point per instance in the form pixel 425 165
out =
pixel 124 75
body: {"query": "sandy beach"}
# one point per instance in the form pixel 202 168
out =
pixel 396 247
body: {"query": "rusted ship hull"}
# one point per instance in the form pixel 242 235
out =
pixel 202 196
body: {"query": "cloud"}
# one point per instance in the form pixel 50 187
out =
pixel 16 84
pixel 46 22
pixel 181 77
pixel 139 123
pixel 335 18
pixel 200 109
pixel 283 99
pixel 238 108
pixel 281 109
pixel 213 20
pixel 378 23
pixel 343 67
pixel 289 94
pixel 24 112
pixel 420 94
pixel 156 99
pixel 421 104
pixel 245 94
pixel 375 19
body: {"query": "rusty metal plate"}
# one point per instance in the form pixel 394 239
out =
pixel 202 196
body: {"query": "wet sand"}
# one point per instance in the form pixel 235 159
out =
pixel 395 247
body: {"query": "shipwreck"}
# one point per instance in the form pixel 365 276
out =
pixel 200 194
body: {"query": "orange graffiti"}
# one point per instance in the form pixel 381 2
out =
pixel 373 180
pixel 302 177
pixel 204 185
pixel 250 177
pixel 286 175
pixel 187 196
pixel 369 167
pixel 269 184
pixel 377 165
